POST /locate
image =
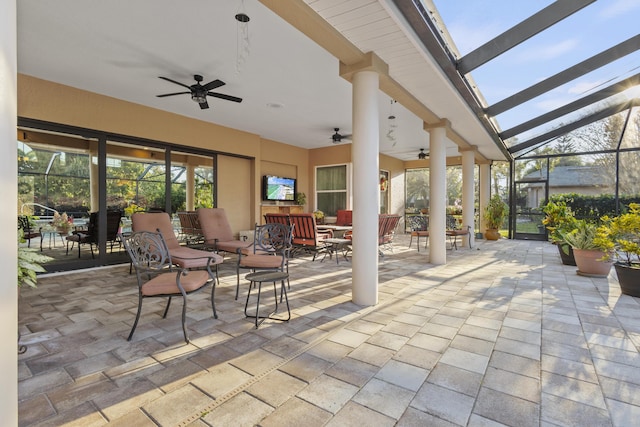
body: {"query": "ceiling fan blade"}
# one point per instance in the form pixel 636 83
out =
pixel 204 105
pixel 214 84
pixel 175 82
pixel 171 94
pixel 223 96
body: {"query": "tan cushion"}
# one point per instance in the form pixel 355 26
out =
pixel 261 261
pixel 214 224
pixel 233 245
pixel 193 258
pixel 154 221
pixel 165 283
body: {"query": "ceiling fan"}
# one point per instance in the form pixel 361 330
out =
pixel 337 137
pixel 200 92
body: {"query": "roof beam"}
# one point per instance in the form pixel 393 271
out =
pixel 517 34
pixel 598 115
pixel 573 106
pixel 603 58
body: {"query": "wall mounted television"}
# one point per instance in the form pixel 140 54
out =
pixel 277 188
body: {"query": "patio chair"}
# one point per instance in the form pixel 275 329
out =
pixel 91 235
pixel 270 251
pixel 454 230
pixel 344 217
pixel 156 278
pixel 182 256
pixel 28 230
pixel 217 232
pixel 190 230
pixel 306 236
pixel 419 227
pixel 387 224
pixel 277 218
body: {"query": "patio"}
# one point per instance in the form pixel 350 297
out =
pixel 500 335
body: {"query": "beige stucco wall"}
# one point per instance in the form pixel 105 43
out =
pixel 239 178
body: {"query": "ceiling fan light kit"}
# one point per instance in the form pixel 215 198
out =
pixel 337 137
pixel 422 155
pixel 199 92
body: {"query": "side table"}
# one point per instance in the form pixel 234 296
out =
pixel 267 276
pixel 336 246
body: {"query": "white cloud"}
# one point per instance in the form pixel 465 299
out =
pixel 620 7
pixel 582 87
pixel 547 52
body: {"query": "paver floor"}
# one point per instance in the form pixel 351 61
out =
pixel 501 335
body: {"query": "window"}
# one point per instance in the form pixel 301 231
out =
pixel 332 188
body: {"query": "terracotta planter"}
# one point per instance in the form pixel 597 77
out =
pixel 629 279
pixel 492 234
pixel 588 264
pixel 566 254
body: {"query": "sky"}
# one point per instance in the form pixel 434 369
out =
pixel 587 32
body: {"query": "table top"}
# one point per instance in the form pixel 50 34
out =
pixel 336 241
pixel 334 227
pixel 267 276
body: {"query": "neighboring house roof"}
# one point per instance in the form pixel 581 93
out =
pixel 574 176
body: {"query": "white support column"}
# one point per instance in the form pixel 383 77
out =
pixel 485 193
pixel 191 187
pixel 364 152
pixel 9 193
pixel 438 196
pixel 468 192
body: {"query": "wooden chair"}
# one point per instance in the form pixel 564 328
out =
pixel 387 224
pixel 270 250
pixel 183 256
pixel 306 236
pixel 453 231
pixel 217 232
pixel 419 227
pixel 344 217
pixel 277 218
pixel 153 264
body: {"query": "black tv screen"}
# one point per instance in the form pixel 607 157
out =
pixel 278 188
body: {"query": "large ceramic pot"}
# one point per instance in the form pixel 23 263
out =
pixel 566 254
pixel 588 264
pixel 629 278
pixel 492 234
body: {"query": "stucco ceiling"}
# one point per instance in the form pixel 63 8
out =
pixel 291 88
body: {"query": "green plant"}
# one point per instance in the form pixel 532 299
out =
pixel 619 237
pixel 559 219
pixel 62 222
pixel 582 236
pixel 495 212
pixel 29 263
pixel 301 199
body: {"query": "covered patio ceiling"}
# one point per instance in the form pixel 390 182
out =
pixel 288 72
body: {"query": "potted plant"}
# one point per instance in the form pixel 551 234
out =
pixel 560 219
pixel 588 253
pixel 301 199
pixel 29 264
pixel 62 223
pixel 494 214
pixel 319 216
pixel 620 238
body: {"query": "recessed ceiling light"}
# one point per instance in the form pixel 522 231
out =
pixel 275 105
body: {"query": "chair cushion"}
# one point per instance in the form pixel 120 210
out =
pixel 233 245
pixel 460 232
pixel 261 261
pixel 193 258
pixel 154 221
pixel 165 283
pixel 344 217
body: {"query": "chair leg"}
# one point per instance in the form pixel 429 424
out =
pixel 135 323
pixel 166 310
pixel 184 318
pixel 411 240
pixel 213 303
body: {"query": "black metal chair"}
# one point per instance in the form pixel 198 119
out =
pixel 28 230
pixel 92 233
pixel 271 250
pixel 159 277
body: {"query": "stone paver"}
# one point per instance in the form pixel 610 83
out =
pixel 500 336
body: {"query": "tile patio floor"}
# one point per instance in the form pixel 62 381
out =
pixel 503 335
